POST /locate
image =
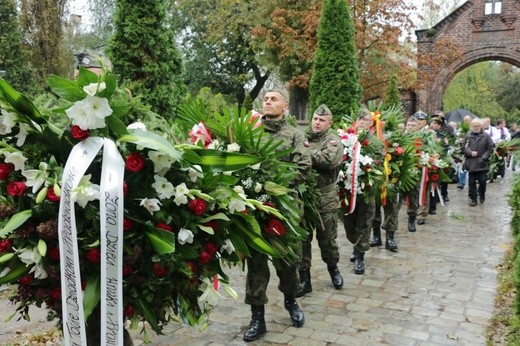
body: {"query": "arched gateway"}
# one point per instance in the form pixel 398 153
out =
pixel 478 30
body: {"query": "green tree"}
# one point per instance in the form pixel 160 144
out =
pixel 143 52
pixel 392 95
pixel 335 76
pixel 13 60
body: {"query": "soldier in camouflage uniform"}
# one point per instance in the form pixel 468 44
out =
pixel 327 155
pixel 358 224
pixel 274 105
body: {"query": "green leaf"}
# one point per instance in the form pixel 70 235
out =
pixel 206 229
pixel 91 295
pixel 240 244
pixel 152 141
pixel 162 241
pixel 67 89
pixel 21 103
pixel 220 161
pixel 42 247
pixel 255 240
pixel 14 274
pixel 217 216
pixel 149 315
pixel 15 221
pixel 116 125
pixel 6 257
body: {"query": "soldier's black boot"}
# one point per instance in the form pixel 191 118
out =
pixel 411 224
pixel 352 257
pixel 376 240
pixel 390 242
pixel 295 312
pixel 335 276
pixel 305 283
pixel 359 264
pixel 257 325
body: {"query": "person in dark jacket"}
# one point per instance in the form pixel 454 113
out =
pixel 477 147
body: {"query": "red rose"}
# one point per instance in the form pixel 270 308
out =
pixel 94 255
pixel 159 270
pixel 56 293
pixel 134 162
pixel 205 257
pixel 51 195
pixel 5 245
pixel 435 177
pixel 16 188
pixel 54 253
pixel 127 224
pixel 275 227
pixel 365 143
pixel 78 133
pixel 211 248
pixel 351 130
pixel 345 157
pixel 26 279
pixel 5 170
pixel 398 151
pixel 128 311
pixel 164 226
pixel 127 270
pixel 197 205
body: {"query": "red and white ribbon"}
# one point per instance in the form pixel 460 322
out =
pixel 423 188
pixel 356 152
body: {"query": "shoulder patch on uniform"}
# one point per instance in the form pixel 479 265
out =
pixel 333 142
pixel 306 143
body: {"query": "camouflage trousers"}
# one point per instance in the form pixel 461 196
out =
pixel 326 238
pixel 258 275
pixel 358 225
pixel 390 222
pixel 414 209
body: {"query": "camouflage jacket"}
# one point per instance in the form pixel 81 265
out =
pixel 327 156
pixel 292 138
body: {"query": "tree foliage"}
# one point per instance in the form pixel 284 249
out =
pixel 144 52
pixel 392 95
pixel 43 28
pixel 13 59
pixel 335 76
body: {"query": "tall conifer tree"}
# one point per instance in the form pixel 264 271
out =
pixel 143 51
pixel 392 96
pixel 335 75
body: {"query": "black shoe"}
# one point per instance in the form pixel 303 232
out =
pixel 482 200
pixel 359 266
pixel 305 283
pixel 295 312
pixel 390 242
pixel 257 325
pixel 473 203
pixel 335 276
pixel 460 187
pixel 352 257
pixel 376 241
pixel 411 224
pixel 432 211
pixel 421 221
pixel 445 199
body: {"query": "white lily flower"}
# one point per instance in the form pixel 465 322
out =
pixel 233 147
pixel 33 256
pixel 236 204
pixel 195 173
pixel 258 187
pixel 137 126
pixel 240 190
pixel 85 191
pixel 5 272
pixel 163 187
pixel 424 159
pixel 22 134
pixel 215 144
pixel 210 295
pixel 151 204
pixel 365 160
pixel 7 122
pixel 90 113
pixel 227 247
pixel 181 192
pixel 256 167
pixel 185 236
pixel 36 177
pixel 93 88
pixel 17 159
pixel 160 160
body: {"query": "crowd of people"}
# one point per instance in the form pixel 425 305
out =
pixel 366 171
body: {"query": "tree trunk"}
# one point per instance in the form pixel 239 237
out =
pixel 298 101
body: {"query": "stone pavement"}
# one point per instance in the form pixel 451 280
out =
pixel 439 289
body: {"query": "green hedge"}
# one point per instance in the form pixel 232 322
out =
pixel 514 202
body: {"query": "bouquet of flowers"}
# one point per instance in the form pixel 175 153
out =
pixel 501 152
pixel 361 172
pixel 142 231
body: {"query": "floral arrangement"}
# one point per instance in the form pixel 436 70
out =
pixel 362 169
pixel 501 152
pixel 189 209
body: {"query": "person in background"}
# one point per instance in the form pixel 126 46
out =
pixel 490 130
pixel 275 105
pixel 477 147
pixel 436 125
pixel 504 136
pixel 327 156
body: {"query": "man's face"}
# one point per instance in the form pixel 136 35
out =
pixel 364 123
pixel 274 105
pixel 411 125
pixel 321 122
pixel 485 123
pixel 435 126
pixel 476 127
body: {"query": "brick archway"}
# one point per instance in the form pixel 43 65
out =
pixel 476 35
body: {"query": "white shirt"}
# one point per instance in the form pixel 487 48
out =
pixel 494 133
